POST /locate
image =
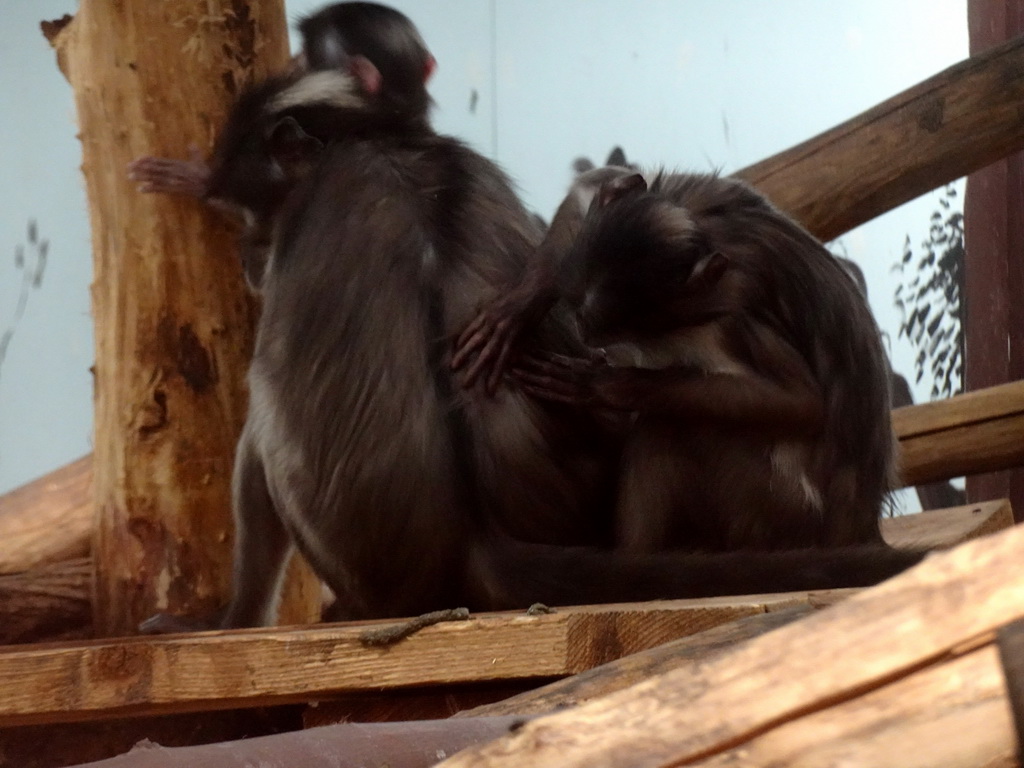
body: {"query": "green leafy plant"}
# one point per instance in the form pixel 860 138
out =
pixel 930 298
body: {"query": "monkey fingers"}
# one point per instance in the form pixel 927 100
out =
pixel 492 333
pixel 168 176
pixel 558 378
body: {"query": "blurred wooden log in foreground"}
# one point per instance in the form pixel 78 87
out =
pixel 904 674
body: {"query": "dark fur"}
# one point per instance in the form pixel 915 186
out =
pixel 405 492
pixel 783 315
pixel 335 33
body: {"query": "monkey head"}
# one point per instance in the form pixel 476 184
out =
pixel 639 267
pixel 276 130
pixel 346 35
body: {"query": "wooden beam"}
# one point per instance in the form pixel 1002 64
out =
pixel 173 318
pixel 47 520
pixel 958 121
pixel 52 602
pixel 225 670
pixel 940 616
pixel 975 432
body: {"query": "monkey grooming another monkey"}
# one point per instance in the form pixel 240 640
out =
pixel 748 356
pixel 406 493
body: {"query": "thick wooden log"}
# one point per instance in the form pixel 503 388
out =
pixel 226 670
pixel 950 715
pixel 173 318
pixel 958 121
pixel 47 520
pixel 50 602
pixel 975 432
pixel 941 611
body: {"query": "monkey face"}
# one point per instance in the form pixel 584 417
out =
pixel 635 267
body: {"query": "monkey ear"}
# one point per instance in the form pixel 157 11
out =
pixel 366 74
pixel 289 143
pixel 618 188
pixel 617 157
pixel 429 67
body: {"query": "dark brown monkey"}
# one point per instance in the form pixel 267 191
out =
pixel 748 356
pixel 406 493
pixel 248 173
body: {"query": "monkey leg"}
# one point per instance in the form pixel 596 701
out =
pixel 659 486
pixel 262 545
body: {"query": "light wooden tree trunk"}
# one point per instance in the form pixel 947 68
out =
pixel 174 323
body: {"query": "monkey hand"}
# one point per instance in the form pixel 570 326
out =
pixel 583 382
pixel 175 177
pixel 492 335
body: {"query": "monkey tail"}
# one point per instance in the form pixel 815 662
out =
pixel 514 574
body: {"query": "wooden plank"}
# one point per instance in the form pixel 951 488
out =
pixel 590 684
pixel 944 528
pixel 974 432
pixel 948 606
pixel 1002 401
pixel 957 121
pixel 264 667
pixel 47 520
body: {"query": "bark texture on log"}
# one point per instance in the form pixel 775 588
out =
pixel 173 319
pixel 911 659
pixel 47 520
pixel 51 602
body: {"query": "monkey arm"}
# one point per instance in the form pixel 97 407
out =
pixel 174 177
pixel 493 333
pixel 740 399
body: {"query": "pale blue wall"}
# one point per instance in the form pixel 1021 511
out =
pixel 695 85
pixel 45 384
